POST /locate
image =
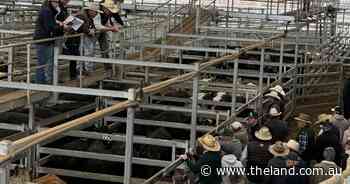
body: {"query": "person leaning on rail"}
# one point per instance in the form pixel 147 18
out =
pixel 104 24
pixel 47 26
pixel 89 39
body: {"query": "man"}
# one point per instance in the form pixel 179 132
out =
pixel 280 152
pixel 258 154
pixel 327 165
pixel 273 104
pixel 339 121
pixel 240 132
pixel 104 24
pixel 278 129
pixel 209 158
pixel 89 40
pixel 47 26
pixel 305 136
pixel 230 144
pixel 328 137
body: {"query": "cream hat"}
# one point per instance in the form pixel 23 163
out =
pixel 293 145
pixel 274 112
pixel 278 89
pixel 322 118
pixel 273 94
pixel 111 6
pixel 93 7
pixel 236 125
pixel 279 149
pixel 304 118
pixel 209 143
pixel 263 134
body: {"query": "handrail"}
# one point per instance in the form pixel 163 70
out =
pixel 40 41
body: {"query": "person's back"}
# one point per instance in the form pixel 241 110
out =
pixel 210 159
pixel 341 123
pixel 257 156
pixel 46 26
pixel 231 145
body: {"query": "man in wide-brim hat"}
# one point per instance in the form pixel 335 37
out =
pixel 258 154
pixel 328 137
pixel 280 151
pixel 104 24
pixel 210 158
pixel 305 136
pixel 273 104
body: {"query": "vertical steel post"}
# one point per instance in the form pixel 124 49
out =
pixel 129 139
pixel 4 175
pixel 261 81
pixel 55 73
pixel 281 58
pixel 194 107
pixel 198 19
pixel 261 70
pixel 10 64
pixel 234 87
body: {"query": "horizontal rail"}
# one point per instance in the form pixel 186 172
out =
pixel 64 89
pixel 128 62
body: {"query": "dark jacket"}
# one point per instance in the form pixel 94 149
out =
pixel 277 162
pixel 329 138
pixel 294 160
pixel 306 139
pixel 257 156
pixel 46 26
pixel 213 160
pixel 278 129
pixel 85 28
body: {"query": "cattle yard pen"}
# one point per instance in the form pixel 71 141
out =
pixel 180 69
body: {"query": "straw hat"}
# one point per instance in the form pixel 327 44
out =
pixel 236 125
pixel 93 7
pixel 323 118
pixel 111 6
pixel 278 89
pixel 263 134
pixel 293 145
pixel 279 149
pixel 273 94
pixel 274 112
pixel 304 118
pixel 209 143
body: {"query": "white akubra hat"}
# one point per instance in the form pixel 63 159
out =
pixel 274 112
pixel 293 145
pixel 273 94
pixel 278 89
pixel 236 125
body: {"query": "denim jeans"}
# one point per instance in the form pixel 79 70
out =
pixel 89 44
pixel 45 54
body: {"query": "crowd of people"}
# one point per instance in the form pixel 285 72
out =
pixel 97 19
pixel 301 144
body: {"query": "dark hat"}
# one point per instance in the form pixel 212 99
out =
pixel 337 110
